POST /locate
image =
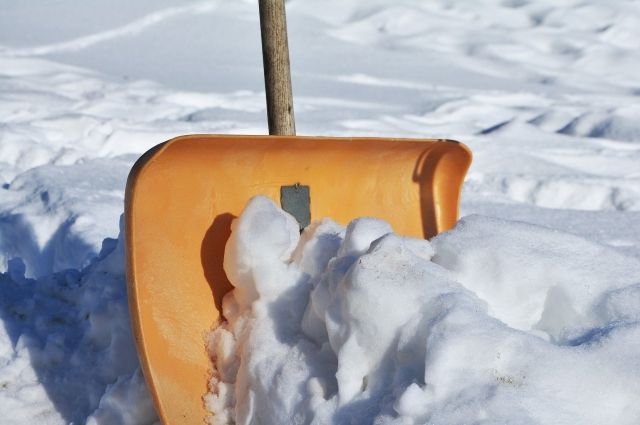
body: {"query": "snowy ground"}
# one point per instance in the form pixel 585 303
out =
pixel 545 93
pixel 492 322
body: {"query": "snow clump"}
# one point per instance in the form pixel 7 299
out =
pixel 492 322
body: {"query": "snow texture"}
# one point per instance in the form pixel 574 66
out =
pixel 494 322
pixel 545 93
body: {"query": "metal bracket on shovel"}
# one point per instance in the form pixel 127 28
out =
pixel 296 201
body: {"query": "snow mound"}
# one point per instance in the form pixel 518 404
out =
pixel 495 320
pixel 619 125
pixel 67 354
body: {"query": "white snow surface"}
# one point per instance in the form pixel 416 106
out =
pixel 545 93
pixel 492 322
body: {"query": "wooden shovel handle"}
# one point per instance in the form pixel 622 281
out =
pixel 277 76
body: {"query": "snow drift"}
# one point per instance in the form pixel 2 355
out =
pixel 494 321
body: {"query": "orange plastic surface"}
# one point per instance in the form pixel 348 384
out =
pixel 183 194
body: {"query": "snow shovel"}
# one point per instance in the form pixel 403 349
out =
pixel 183 194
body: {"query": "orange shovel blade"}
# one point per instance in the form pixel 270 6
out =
pixel 183 194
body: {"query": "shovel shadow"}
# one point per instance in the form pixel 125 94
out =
pixel 212 257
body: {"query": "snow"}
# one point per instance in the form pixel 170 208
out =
pixel 494 320
pixel 67 349
pixel 545 93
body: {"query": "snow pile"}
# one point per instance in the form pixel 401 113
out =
pixel 66 350
pixel 493 321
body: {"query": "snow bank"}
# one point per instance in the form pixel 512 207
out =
pixel 493 321
pixel 66 350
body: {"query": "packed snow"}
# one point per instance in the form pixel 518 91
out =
pixel 494 321
pixel 545 93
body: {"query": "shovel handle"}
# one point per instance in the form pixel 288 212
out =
pixel 277 76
